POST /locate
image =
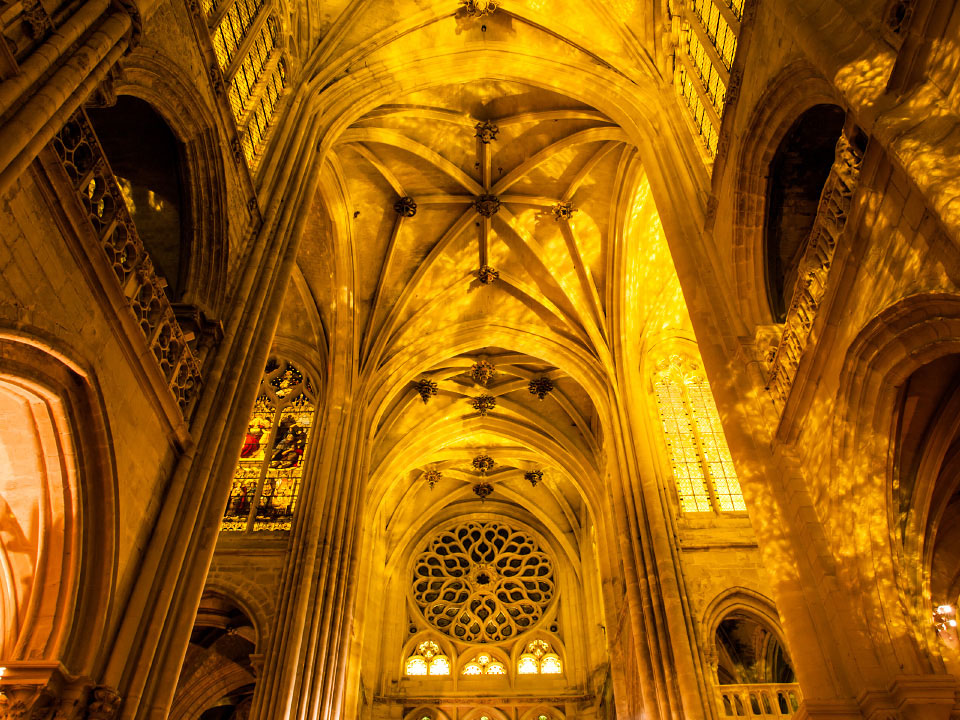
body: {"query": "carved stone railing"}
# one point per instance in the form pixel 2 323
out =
pixel 761 700
pixel 814 268
pixel 85 163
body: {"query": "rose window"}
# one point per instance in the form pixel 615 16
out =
pixel 482 581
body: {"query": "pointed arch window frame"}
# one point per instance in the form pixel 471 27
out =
pixel 679 381
pixel 280 401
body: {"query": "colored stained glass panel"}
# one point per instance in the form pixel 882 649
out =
pixel 247 475
pixel 270 468
pixel 282 483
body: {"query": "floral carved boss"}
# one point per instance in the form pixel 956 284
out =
pixel 482 581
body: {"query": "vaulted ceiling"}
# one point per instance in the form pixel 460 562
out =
pixel 418 309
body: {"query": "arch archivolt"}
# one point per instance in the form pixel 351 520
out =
pixel 898 341
pixel 57 486
pixel 739 600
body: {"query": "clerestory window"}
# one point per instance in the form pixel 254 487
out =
pixel 708 32
pixel 267 480
pixel 539 659
pixel 702 466
pixel 428 659
pixel 247 42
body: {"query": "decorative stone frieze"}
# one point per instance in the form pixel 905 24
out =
pixel 102 200
pixel 814 268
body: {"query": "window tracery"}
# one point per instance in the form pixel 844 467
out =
pixel 482 581
pixel 266 482
pixel 539 659
pixel 428 659
pixel 702 465
pixel 484 664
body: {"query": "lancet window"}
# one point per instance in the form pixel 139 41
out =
pixel 428 659
pixel 538 658
pixel 267 480
pixel 702 466
pixel 247 42
pixel 708 31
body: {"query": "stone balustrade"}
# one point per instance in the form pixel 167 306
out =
pixel 812 278
pixel 102 200
pixel 760 700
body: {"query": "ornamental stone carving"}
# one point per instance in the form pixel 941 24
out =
pixel 405 207
pixel 486 131
pixel 487 205
pixel 482 581
pixel 479 8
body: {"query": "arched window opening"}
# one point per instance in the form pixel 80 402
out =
pixel 217 677
pixel 484 664
pixel 147 163
pixel 708 31
pixel 268 475
pixel 702 465
pixel 798 172
pixel 428 659
pixel 748 653
pixel 538 658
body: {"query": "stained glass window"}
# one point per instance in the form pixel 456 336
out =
pixel 708 45
pixel 247 75
pixel 268 475
pixel 256 78
pixel 702 466
pixel 484 664
pixel 232 28
pixel 262 112
pixel 539 659
pixel 428 659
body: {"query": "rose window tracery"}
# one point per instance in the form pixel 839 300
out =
pixel 482 581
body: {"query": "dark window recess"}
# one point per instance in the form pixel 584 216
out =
pixel 799 169
pixel 146 159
